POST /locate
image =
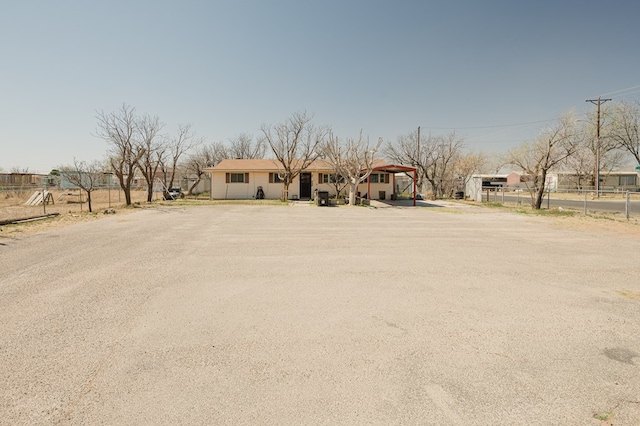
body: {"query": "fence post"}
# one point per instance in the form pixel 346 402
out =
pixel 503 195
pixel 585 203
pixel 626 206
pixel 44 201
pixel 548 198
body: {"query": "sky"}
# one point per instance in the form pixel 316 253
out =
pixel 496 72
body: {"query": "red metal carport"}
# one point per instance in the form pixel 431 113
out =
pixel 393 169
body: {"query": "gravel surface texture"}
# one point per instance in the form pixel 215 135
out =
pixel 307 315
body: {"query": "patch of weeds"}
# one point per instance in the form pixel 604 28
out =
pixel 556 212
pixel 629 294
pixel 604 416
pixel 546 213
pixel 601 216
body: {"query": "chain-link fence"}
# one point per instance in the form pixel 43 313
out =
pixel 28 201
pixel 621 203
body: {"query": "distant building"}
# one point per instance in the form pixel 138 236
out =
pixel 25 180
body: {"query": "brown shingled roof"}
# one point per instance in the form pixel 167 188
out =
pixel 262 165
pixel 270 164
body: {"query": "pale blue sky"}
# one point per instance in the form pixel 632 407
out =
pixel 227 67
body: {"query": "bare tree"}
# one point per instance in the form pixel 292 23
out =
pixel 243 146
pixel 334 151
pixel 296 143
pixel 205 156
pixel 582 163
pixel 411 151
pixel 352 159
pixel 551 149
pixel 625 128
pixel 443 153
pixel 177 146
pixel 152 149
pixel 466 165
pixel 433 157
pixel 18 169
pixel 119 129
pixel 85 176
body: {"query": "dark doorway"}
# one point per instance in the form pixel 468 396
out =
pixel 305 185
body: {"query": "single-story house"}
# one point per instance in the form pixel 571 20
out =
pixel 240 179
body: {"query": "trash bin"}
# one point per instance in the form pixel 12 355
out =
pixel 323 198
pixel 382 195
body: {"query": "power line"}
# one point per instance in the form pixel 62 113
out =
pixel 623 90
pixel 488 127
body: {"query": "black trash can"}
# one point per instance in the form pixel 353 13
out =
pixel 322 199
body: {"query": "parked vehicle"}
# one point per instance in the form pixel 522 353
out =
pixel 174 194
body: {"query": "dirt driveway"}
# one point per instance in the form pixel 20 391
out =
pixel 306 315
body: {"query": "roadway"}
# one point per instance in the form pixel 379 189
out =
pixel 607 205
pixel 241 314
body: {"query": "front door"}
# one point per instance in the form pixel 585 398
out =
pixel 305 185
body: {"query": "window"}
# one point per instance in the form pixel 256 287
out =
pixel 274 178
pixel 373 178
pixel 384 177
pixel 330 178
pixel 336 178
pixel 627 180
pixel 237 177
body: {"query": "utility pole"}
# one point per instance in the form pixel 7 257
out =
pixel 597 102
pixel 418 144
pixel 419 162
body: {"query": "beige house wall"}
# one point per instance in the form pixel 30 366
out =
pixel 222 190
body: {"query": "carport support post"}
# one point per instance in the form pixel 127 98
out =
pixel 415 186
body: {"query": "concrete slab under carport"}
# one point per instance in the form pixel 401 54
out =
pixel 285 315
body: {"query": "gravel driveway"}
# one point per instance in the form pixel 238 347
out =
pixel 306 315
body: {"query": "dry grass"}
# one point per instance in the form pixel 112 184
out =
pixel 66 203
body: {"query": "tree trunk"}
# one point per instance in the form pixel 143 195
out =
pixel 89 201
pixel 537 202
pixel 192 187
pixel 540 191
pixel 150 192
pixel 353 187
